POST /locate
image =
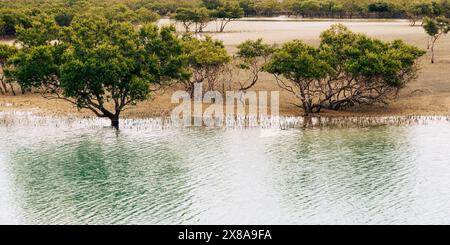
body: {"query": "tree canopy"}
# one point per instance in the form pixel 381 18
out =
pixel 106 56
pixel 252 56
pixel 206 57
pixel 6 52
pixel 102 66
pixel 435 28
pixel 225 12
pixel 197 18
pixel 14 13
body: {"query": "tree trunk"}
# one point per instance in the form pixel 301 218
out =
pixel 190 89
pixel 223 24
pixel 306 108
pixel 1 88
pixel 432 53
pixel 3 82
pixel 12 89
pixel 5 88
pixel 115 122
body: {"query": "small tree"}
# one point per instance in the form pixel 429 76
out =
pixel 206 58
pixel 267 7
pixel 64 18
pixel 226 12
pixel 145 16
pixel 211 4
pixel 248 6
pixel 11 19
pixel 309 8
pixel 198 17
pixel 103 67
pixel 301 65
pixel 435 28
pixel 185 16
pixel 116 12
pixel 416 10
pixel 252 56
pixel 201 18
pixel 347 69
pixel 6 52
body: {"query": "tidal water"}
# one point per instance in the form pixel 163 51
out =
pixel 95 175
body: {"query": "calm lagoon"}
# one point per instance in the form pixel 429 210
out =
pixel 95 175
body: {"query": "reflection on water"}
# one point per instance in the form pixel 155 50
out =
pixel 234 176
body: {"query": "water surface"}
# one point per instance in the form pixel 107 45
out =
pixel 82 175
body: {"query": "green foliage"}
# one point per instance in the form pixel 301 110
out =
pixel 91 53
pixel 143 15
pixel 248 6
pixel 10 19
pixel 167 7
pixel 205 53
pixel 63 18
pixel 267 7
pixel 103 66
pixel 435 28
pixel 254 49
pixel 35 67
pixel 41 32
pixel 184 15
pixel 15 13
pixel 23 13
pixel 223 11
pixel 227 11
pixel 189 17
pixel 206 57
pixel 253 56
pixel 212 4
pixel 6 52
pixel 119 12
pixel 298 61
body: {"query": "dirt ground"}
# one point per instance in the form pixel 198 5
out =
pixel 428 95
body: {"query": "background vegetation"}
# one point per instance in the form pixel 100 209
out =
pixel 106 55
pixel 15 13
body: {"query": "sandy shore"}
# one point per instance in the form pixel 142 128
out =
pixel 428 95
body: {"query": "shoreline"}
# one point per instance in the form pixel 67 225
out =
pixel 319 120
pixel 22 118
pixel 409 103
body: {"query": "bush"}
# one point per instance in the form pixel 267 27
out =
pixel 347 69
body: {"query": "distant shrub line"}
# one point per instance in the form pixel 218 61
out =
pixel 193 14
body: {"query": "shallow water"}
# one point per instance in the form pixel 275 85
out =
pixel 95 175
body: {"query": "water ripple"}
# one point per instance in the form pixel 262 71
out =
pixel 324 175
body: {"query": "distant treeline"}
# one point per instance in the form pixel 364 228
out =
pixel 22 13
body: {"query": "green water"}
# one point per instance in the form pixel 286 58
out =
pixel 383 175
